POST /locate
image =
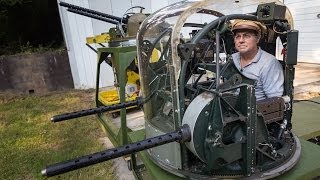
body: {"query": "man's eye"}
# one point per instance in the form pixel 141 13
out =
pixel 247 36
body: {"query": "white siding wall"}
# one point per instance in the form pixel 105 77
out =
pixel 76 28
pixel 306 21
pixel 83 60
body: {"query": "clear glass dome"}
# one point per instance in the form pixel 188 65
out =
pixel 158 56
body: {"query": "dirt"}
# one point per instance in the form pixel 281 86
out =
pixel 306 95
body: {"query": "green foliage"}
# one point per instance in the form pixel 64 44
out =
pixel 29 141
pixel 29 24
pixel 10 2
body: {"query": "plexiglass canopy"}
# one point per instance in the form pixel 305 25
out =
pixel 158 56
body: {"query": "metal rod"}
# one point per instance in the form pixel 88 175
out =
pixel 181 135
pixel 217 59
pixel 94 16
pixel 93 49
pixel 87 112
pixel 70 6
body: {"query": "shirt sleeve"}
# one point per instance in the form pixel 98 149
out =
pixel 273 79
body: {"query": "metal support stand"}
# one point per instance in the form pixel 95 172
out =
pixel 121 58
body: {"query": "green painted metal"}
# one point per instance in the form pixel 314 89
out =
pixel 305 119
pixel 250 156
pixel 307 168
pixel 161 153
pixel 151 170
pixel 121 58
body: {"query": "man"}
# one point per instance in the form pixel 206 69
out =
pixel 255 63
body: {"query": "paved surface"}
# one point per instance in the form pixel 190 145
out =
pixel 122 171
pixel 307 79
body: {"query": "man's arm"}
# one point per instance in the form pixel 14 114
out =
pixel 273 79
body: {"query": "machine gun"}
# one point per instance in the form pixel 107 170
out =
pixel 126 26
pixel 182 135
pixel 212 126
pixel 123 34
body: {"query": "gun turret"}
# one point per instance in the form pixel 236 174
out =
pixel 226 133
pixel 181 135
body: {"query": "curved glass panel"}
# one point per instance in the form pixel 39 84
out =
pixel 158 56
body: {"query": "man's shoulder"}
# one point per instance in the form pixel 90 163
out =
pixel 235 55
pixel 267 56
pixel 269 61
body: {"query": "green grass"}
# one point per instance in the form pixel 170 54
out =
pixel 29 141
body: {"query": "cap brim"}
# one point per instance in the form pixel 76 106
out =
pixel 245 26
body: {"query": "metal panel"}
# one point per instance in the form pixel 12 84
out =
pixel 69 45
pixel 143 3
pixel 82 59
pixel 156 5
pixel 308 24
pixel 302 4
pixel 119 7
pixel 105 6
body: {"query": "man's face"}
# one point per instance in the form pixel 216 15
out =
pixel 246 41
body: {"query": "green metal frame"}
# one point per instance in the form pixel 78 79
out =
pixel 121 58
pixel 308 166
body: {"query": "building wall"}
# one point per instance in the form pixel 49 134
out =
pixel 76 28
pixel 83 60
pixel 306 16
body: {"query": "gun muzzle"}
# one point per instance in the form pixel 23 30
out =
pixel 181 135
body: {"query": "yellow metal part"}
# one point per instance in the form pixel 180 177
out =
pixel 133 77
pixel 103 38
pixel 111 97
pixel 154 56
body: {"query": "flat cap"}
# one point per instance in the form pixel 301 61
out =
pixel 248 24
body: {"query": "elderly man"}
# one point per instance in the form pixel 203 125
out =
pixel 255 63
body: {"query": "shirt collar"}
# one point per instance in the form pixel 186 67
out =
pixel 257 56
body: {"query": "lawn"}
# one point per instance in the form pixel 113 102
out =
pixel 29 141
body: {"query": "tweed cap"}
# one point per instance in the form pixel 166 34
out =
pixel 247 24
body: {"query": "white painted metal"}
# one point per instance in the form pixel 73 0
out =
pixel 82 60
pixel 306 21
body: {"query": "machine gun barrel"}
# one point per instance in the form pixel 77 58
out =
pixel 101 109
pixel 94 16
pixel 181 135
pixel 93 12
